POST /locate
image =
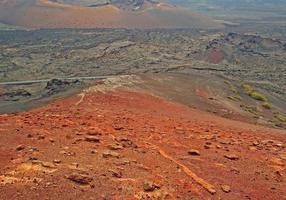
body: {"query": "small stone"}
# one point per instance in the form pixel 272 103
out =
pixel 57 161
pixel 48 165
pixel 116 174
pixel 224 142
pixel 225 188
pixel 41 137
pixel 234 170
pixel 80 179
pixel 277 162
pixel 252 148
pixel 118 128
pixel 124 161
pixel 255 143
pixel 279 145
pixel 115 147
pixel 110 154
pixel 194 152
pixel 95 131
pixel 20 148
pixel 51 140
pixel 231 157
pixel 267 141
pixel 92 139
pixel 150 187
pixel 93 151
pixel 283 156
pixel 48 184
pixel 63 152
pixel 125 142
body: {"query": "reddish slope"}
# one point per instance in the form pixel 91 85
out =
pixel 46 14
pixel 128 145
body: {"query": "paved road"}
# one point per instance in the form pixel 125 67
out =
pixel 27 82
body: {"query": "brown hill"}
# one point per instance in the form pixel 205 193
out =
pixel 116 14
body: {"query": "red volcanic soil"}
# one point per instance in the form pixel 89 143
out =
pixel 130 145
pixel 48 14
pixel 215 56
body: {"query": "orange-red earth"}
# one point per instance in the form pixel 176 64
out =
pixel 129 145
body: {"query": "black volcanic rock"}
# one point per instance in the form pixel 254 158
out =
pixel 16 93
pixel 56 85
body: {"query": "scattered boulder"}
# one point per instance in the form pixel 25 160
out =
pixel 20 147
pixel 48 165
pixel 56 85
pixel 115 147
pixel 251 148
pixel 91 138
pixel 80 178
pixel 231 157
pixel 110 154
pixel 256 143
pixel 125 142
pixel 51 140
pixel 116 173
pixel 57 161
pixel 118 128
pixel 277 162
pixel 93 151
pixel 41 137
pixel 150 186
pixel 194 152
pixel 95 131
pixel 226 188
pixel 16 93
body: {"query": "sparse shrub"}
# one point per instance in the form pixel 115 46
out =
pixel 253 93
pixel 247 88
pixel 258 96
pixel 232 87
pixel 227 82
pixel 234 98
pixel 266 105
pixel 280 117
pixel 250 109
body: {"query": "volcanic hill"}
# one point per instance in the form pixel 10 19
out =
pixel 116 141
pixel 111 14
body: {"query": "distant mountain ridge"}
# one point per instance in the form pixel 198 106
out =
pixel 232 4
pixel 111 14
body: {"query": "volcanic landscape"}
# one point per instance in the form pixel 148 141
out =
pixel 123 100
